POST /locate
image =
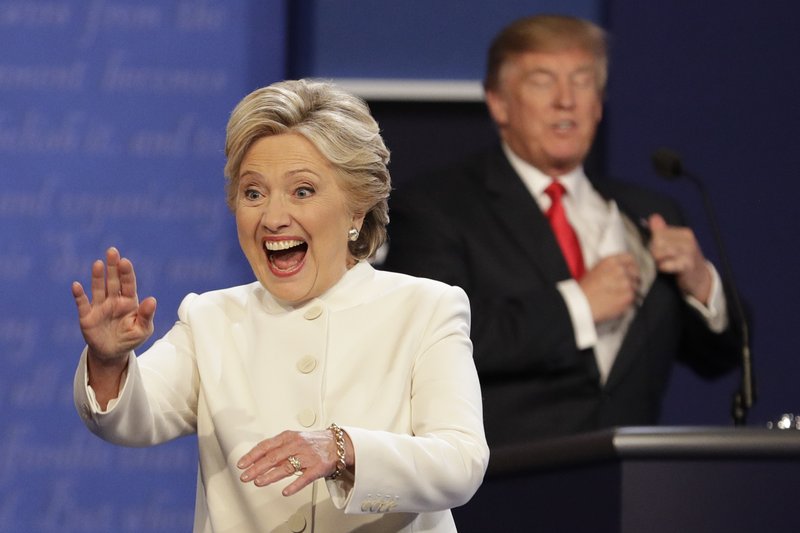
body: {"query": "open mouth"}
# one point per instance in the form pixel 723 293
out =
pixel 285 257
pixel 564 125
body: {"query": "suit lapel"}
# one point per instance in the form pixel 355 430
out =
pixel 519 216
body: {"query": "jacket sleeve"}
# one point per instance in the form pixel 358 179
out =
pixel 442 463
pixel 157 400
pixel 707 353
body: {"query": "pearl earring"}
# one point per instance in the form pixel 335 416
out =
pixel 352 235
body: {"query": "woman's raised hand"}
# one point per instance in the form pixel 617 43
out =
pixel 114 321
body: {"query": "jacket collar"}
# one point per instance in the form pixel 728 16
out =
pixel 345 293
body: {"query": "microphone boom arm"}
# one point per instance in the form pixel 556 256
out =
pixel 668 164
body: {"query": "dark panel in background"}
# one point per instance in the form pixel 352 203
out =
pixel 427 136
pixel 719 83
pixel 424 136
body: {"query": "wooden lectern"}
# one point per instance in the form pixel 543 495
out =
pixel 642 480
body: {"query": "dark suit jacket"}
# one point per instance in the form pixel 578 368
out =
pixel 478 227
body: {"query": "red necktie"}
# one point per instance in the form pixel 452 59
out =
pixel 565 235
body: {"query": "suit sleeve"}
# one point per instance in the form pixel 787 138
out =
pixel 442 463
pixel 154 405
pixel 707 353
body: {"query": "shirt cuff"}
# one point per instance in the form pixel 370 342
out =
pixel 93 403
pixel 716 312
pixel 579 313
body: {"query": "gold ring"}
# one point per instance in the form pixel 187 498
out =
pixel 295 462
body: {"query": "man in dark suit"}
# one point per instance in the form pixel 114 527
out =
pixel 583 292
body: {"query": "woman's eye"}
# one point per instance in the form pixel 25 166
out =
pixel 304 192
pixel 252 194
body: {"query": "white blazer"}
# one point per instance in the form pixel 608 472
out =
pixel 385 356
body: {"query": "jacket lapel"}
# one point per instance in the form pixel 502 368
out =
pixel 518 214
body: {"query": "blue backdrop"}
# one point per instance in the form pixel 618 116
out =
pixel 112 121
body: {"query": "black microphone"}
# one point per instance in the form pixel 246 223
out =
pixel 668 165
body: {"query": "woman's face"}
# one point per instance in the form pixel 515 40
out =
pixel 292 218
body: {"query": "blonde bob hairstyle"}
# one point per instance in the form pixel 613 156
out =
pixel 340 126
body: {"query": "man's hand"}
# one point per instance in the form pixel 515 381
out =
pixel 611 286
pixel 676 251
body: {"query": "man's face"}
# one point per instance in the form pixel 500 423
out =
pixel 547 106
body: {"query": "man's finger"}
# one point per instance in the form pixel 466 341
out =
pixel 656 222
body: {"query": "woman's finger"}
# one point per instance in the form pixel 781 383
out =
pixel 147 310
pixel 127 278
pixel 261 466
pixel 81 300
pixel 112 272
pixel 298 484
pixel 98 283
pixel 267 446
pixel 294 468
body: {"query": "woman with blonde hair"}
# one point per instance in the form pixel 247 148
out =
pixel 326 395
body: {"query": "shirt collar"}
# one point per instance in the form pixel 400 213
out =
pixel 575 182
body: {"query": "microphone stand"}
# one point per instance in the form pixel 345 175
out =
pixel 744 397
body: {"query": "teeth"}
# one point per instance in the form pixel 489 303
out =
pixel 280 245
pixel 564 124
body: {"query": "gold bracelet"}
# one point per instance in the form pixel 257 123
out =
pixel 341 463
